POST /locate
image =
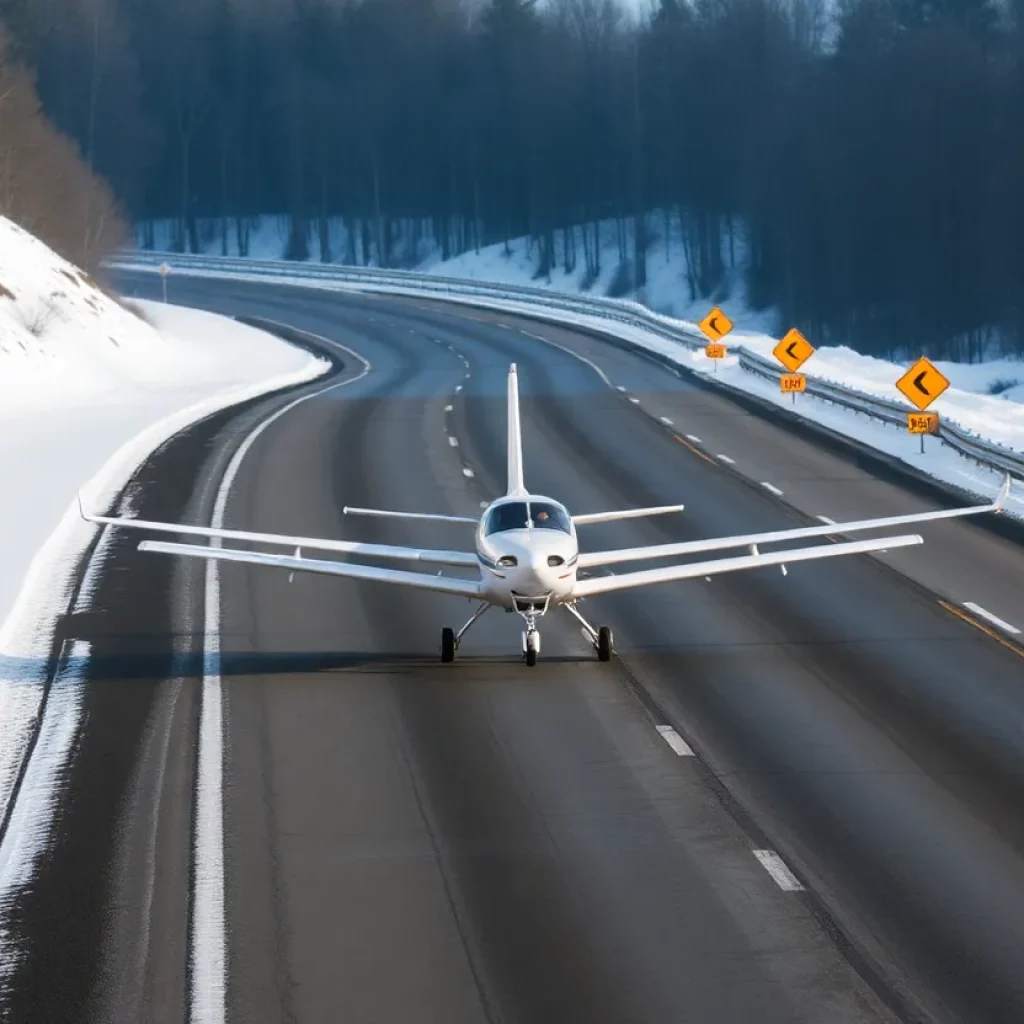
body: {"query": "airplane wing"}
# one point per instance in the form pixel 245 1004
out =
pixel 588 560
pixel 628 513
pixel 672 573
pixel 293 563
pixel 345 547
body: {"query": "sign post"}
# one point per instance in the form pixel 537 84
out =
pixel 793 351
pixel 922 384
pixel 716 325
pixel 165 272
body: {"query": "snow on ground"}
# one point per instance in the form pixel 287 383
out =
pixel 88 390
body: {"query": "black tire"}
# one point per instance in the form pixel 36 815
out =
pixel 531 657
pixel 604 644
pixel 447 644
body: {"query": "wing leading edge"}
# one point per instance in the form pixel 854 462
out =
pixel 717 566
pixel 596 558
pixel 419 580
pixel 345 547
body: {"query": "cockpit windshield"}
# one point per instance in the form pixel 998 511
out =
pixel 523 515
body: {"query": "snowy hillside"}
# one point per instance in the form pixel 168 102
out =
pixel 88 391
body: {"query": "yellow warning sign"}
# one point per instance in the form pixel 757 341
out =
pixel 715 351
pixel 922 383
pixel 923 422
pixel 716 325
pixel 793 351
pixel 793 382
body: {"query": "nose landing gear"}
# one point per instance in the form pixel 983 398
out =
pixel 531 645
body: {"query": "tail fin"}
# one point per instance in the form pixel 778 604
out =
pixel 515 439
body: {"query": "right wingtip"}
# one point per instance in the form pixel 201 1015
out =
pixel 1004 493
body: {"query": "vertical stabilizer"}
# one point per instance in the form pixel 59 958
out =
pixel 515 439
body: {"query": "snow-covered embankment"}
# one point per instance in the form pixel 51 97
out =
pixel 88 390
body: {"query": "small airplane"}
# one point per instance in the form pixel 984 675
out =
pixel 527 554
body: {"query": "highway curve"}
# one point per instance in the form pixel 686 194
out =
pixel 406 841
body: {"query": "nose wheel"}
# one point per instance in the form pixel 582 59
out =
pixel 531 647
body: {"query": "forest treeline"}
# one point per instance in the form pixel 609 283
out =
pixel 866 159
pixel 45 185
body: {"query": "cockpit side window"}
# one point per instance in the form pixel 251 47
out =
pixel 510 516
pixel 549 517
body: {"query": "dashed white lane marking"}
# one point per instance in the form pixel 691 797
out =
pixel 665 420
pixel 725 458
pixel 994 619
pixel 635 401
pixel 694 438
pixel 449 408
pixel 484 504
pixel 675 741
pixel 776 867
pixel 453 441
pixel 771 487
pixel 458 388
pixel 466 471
pixel 826 520
pixel 620 388
pixel 468 375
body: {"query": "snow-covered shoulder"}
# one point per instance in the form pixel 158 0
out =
pixel 88 390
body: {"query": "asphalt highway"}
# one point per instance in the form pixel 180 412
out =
pixel 484 842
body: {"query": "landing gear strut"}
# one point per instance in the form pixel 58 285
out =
pixel 601 638
pixel 450 640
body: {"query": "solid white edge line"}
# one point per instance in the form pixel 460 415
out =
pixel 994 619
pixel 771 487
pixel 726 459
pixel 208 932
pixel 776 867
pixel 675 741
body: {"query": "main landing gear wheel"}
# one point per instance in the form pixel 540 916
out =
pixel 447 644
pixel 531 647
pixel 604 644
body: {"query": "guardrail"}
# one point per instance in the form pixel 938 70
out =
pixel 554 306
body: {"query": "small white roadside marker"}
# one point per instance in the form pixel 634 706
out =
pixel 453 441
pixel 449 408
pixel 771 487
pixel 776 867
pixel 694 438
pixel 665 420
pixel 675 741
pixel 466 471
pixel 994 619
pixel 725 458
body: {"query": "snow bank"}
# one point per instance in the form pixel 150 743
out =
pixel 88 390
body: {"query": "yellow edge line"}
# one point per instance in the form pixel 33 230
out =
pixel 696 451
pixel 998 637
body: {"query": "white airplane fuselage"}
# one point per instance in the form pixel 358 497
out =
pixel 527 548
